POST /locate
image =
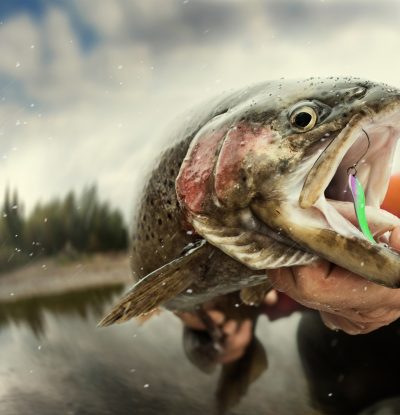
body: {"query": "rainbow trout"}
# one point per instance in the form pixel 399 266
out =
pixel 258 179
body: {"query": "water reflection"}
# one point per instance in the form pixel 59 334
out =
pixel 31 311
pixel 55 360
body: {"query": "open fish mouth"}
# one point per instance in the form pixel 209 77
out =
pixel 319 212
pixel 326 186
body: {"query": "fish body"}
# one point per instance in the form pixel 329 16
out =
pixel 261 175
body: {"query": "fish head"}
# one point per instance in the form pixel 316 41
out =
pixel 280 158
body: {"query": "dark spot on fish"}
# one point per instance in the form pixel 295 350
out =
pixel 242 176
pixel 169 202
pixel 169 216
pixel 159 221
pixel 147 237
pixel 152 235
pixel 282 165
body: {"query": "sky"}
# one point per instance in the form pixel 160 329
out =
pixel 88 87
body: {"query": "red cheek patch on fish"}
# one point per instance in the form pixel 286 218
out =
pixel 193 182
pixel 233 172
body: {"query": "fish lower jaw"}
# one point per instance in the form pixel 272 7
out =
pixel 326 229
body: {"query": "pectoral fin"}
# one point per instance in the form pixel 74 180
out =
pixel 157 287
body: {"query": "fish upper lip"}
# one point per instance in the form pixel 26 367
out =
pixel 325 187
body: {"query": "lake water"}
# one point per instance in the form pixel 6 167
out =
pixel 55 361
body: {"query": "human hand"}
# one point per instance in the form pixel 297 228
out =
pixel 237 334
pixel 345 300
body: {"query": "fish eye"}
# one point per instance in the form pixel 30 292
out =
pixel 303 118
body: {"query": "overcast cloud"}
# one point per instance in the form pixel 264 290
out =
pixel 87 87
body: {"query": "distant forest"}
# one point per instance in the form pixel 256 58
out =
pixel 73 225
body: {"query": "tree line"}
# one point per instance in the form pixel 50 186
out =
pixel 73 224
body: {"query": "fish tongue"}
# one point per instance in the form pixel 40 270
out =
pixel 379 220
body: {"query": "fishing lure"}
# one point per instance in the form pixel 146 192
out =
pixel 357 192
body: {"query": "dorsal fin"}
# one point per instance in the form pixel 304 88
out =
pixel 157 287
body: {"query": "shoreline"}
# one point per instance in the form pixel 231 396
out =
pixel 48 277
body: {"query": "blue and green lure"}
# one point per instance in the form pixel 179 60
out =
pixel 357 192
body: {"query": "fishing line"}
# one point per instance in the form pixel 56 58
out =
pixel 358 194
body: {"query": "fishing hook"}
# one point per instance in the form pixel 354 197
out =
pixel 353 168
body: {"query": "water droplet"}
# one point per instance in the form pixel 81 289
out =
pixel 146 385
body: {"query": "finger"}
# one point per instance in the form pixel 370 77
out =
pixel 282 279
pixel 230 327
pixel 337 290
pixel 236 344
pixel 271 298
pixel 306 284
pixel 191 320
pixel 349 326
pixel 217 317
pixel 337 322
pixel 394 240
pixel 242 337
